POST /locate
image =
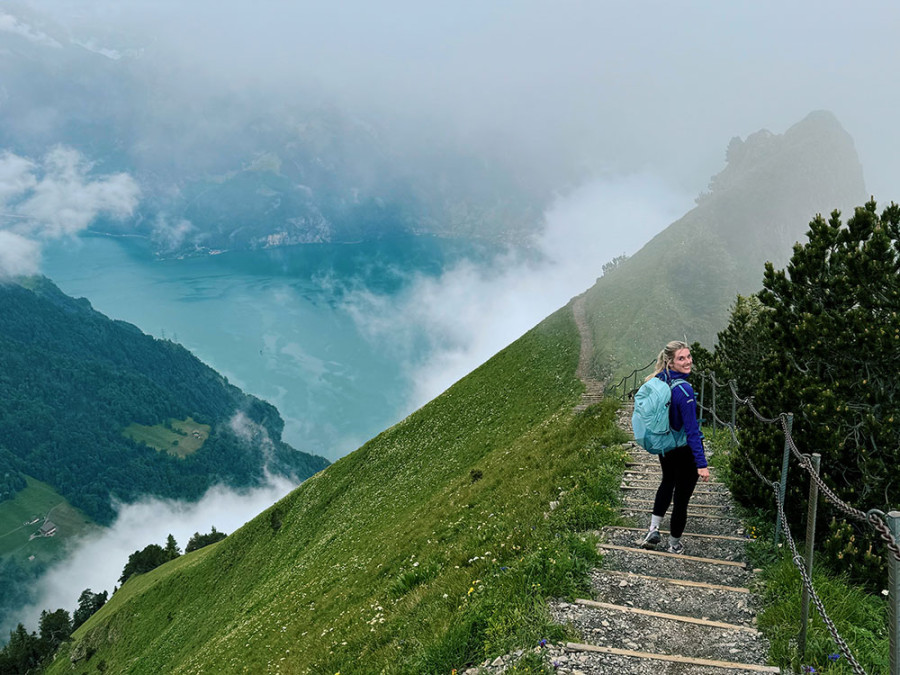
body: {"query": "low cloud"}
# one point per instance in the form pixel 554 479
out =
pixel 65 199
pixel 170 233
pixel 16 177
pixel 470 312
pixel 18 255
pixel 54 198
pixel 10 24
pixel 97 561
pixel 252 434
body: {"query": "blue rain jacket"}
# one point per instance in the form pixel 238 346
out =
pixel 683 414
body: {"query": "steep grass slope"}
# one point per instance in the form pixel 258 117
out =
pixel 425 550
pixel 682 283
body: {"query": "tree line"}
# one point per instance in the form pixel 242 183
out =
pixel 28 653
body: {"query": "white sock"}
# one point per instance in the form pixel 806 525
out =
pixel 655 521
pixel 674 541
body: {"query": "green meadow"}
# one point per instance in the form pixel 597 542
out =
pixel 23 516
pixel 176 437
pixel 432 547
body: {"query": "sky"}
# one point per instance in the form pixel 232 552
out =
pixel 624 109
pixel 610 87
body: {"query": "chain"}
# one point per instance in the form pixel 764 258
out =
pixel 874 517
pixel 727 425
pixel 759 475
pixel 807 581
pixel 624 381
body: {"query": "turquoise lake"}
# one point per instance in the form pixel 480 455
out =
pixel 271 321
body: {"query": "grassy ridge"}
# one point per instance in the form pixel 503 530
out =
pixel 427 549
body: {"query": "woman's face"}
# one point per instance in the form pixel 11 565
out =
pixel 682 362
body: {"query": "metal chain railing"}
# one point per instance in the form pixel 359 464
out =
pixel 798 561
pixel 633 375
pixel 807 581
pixel 874 517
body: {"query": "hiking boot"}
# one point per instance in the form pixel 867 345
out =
pixel 652 539
pixel 676 548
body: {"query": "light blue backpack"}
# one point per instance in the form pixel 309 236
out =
pixel 650 420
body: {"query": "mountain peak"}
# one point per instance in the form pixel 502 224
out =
pixel 817 148
pixel 684 280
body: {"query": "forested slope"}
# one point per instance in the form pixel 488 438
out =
pixel 71 380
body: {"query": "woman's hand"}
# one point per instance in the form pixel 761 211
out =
pixel 704 474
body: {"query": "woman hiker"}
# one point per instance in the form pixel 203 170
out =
pixel 684 465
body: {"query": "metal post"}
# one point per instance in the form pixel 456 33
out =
pixel 702 392
pixel 784 471
pixel 810 543
pixel 733 408
pixel 713 378
pixel 893 521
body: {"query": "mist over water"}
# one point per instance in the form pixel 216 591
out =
pixel 345 340
pixel 441 328
pixel 343 347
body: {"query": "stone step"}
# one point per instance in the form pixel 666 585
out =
pixel 653 478
pixel 717 602
pixel 675 566
pixel 636 464
pixel 700 496
pixel 622 627
pixel 701 523
pixel 695 508
pixel 704 546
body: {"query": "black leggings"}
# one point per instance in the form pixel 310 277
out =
pixel 679 478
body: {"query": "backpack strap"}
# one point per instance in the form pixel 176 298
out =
pixel 680 385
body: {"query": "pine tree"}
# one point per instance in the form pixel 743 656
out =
pixel 824 345
pixel 55 628
pixel 172 550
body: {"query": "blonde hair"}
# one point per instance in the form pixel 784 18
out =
pixel 667 357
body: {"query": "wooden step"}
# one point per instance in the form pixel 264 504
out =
pixel 730 666
pixel 701 523
pixel 704 546
pixel 694 508
pixel 623 627
pixel 699 498
pixel 681 556
pixel 665 615
pixel 715 602
pixel 675 566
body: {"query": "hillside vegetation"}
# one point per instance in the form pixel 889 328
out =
pixel 72 381
pixel 429 548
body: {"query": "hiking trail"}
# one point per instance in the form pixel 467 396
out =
pixel 658 612
pixel 651 611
